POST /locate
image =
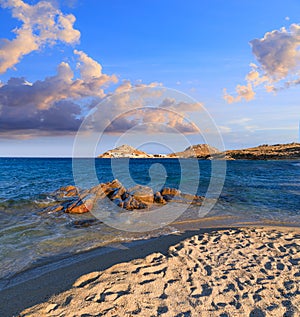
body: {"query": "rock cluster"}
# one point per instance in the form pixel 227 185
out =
pixel 71 199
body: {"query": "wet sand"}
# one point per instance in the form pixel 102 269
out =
pixel 252 271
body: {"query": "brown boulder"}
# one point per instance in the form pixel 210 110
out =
pixel 158 198
pixel 130 203
pixel 141 193
pixel 117 193
pixel 114 184
pixel 81 206
pixel 66 191
pixel 170 191
pixel 105 189
pixel 57 208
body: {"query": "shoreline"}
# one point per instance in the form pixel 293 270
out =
pixel 58 261
pixel 60 276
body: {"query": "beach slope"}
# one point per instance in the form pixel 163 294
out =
pixel 231 272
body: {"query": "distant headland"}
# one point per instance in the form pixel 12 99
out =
pixel 288 151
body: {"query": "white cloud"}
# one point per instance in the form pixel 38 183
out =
pixel 242 92
pixel 278 56
pixel 278 52
pixel 181 106
pixel 142 107
pixel 42 24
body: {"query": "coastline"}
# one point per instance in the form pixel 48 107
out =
pixel 60 277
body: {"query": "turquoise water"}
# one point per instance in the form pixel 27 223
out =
pixel 253 190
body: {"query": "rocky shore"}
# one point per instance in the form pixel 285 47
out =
pixel 267 152
pixel 289 151
pixel 71 199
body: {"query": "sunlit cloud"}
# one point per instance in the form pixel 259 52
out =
pixel 278 57
pixel 42 24
pixel 58 104
pixel 142 107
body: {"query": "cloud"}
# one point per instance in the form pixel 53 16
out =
pixel 61 119
pixel 42 24
pixel 278 52
pixel 279 59
pixel 127 86
pixel 243 92
pixel 181 106
pixel 152 120
pixel 42 94
pixel 57 105
pixel 54 104
pixel 142 108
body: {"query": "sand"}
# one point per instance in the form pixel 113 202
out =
pixel 233 272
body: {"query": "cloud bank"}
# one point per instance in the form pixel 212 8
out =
pixel 167 116
pixel 57 105
pixel 278 57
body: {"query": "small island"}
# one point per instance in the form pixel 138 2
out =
pixel 290 151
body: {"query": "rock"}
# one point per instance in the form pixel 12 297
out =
pixel 114 184
pixel 86 279
pixel 142 193
pixel 127 204
pixel 105 189
pixel 189 196
pixel 125 151
pixel 130 203
pixel 138 197
pixel 81 206
pixel 207 152
pixel 266 152
pixel 68 188
pixel 50 307
pixel 170 191
pixel 118 193
pixel 98 190
pixel 84 223
pixel 158 198
pixel 67 191
pixel 119 202
pixel 202 151
pixel 56 208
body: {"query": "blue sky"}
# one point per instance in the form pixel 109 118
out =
pixel 197 47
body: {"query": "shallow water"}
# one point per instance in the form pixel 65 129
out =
pixel 253 190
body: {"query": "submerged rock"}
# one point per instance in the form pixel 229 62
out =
pixel 84 223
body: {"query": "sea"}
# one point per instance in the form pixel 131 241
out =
pixel 244 191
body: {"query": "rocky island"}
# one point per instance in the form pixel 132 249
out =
pixel 125 151
pixel 289 151
pixel 201 151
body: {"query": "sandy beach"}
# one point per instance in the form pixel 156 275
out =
pixel 252 271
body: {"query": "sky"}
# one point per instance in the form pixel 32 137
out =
pixel 221 72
